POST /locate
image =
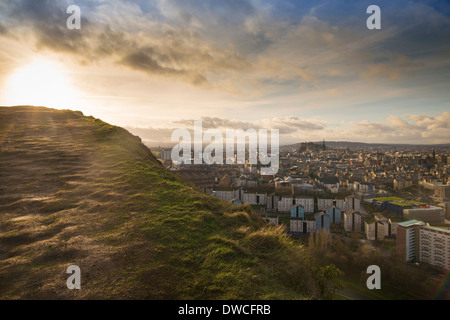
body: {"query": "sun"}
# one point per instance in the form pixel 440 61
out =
pixel 41 83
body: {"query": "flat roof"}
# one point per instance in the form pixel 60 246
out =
pixel 387 199
pixel 411 223
pixel 403 204
pixel 438 229
pixel 426 208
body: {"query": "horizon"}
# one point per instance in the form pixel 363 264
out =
pixel 311 70
pixel 153 144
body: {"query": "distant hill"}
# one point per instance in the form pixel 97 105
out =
pixel 77 191
pixel 370 146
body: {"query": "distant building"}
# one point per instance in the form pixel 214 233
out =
pixel 352 221
pixel 334 214
pixel 357 163
pixel 331 183
pixel 442 192
pixel 349 203
pixel 286 203
pixel 298 212
pixel 254 198
pixel 302 226
pixel 359 187
pixel 428 214
pixel 352 203
pixel 400 184
pixel 166 154
pixel 322 204
pixel 418 242
pixel 227 195
pixel 374 229
pixel 410 209
pixel 272 202
pixel 408 233
pixel 390 228
pixel 435 246
pixel 302 186
pixel 446 207
pixel 322 221
pixel 379 227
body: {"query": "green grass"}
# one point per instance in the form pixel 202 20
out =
pixel 388 199
pixel 88 193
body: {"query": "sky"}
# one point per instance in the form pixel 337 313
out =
pixel 311 69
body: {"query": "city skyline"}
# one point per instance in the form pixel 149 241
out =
pixel 310 69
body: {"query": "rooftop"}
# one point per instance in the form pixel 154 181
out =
pixel 438 229
pixel 410 223
pixel 403 204
pixel 388 199
pixel 424 208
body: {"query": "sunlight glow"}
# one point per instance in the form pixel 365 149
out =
pixel 41 83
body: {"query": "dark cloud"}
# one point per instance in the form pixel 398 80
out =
pixel 216 13
pixel 47 19
pixel 175 53
pixel 234 44
pixel 144 61
pixel 3 29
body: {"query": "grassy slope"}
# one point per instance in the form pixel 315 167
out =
pixel 75 190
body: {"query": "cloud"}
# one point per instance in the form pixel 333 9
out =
pixel 143 61
pixel 152 135
pixel 393 67
pixel 286 125
pixel 241 47
pixel 3 29
pixel 420 129
pixel 413 129
pixel 164 50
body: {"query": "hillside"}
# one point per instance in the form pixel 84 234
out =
pixel 76 190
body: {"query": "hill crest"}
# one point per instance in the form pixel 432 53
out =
pixel 76 190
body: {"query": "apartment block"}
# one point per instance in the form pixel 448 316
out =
pixel 408 238
pixel 434 246
pixel 298 212
pixel 254 198
pixel 352 221
pixel 322 221
pixel 442 192
pixel 429 214
pixel 374 229
pixel 334 214
pixel 286 203
pixel 302 226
